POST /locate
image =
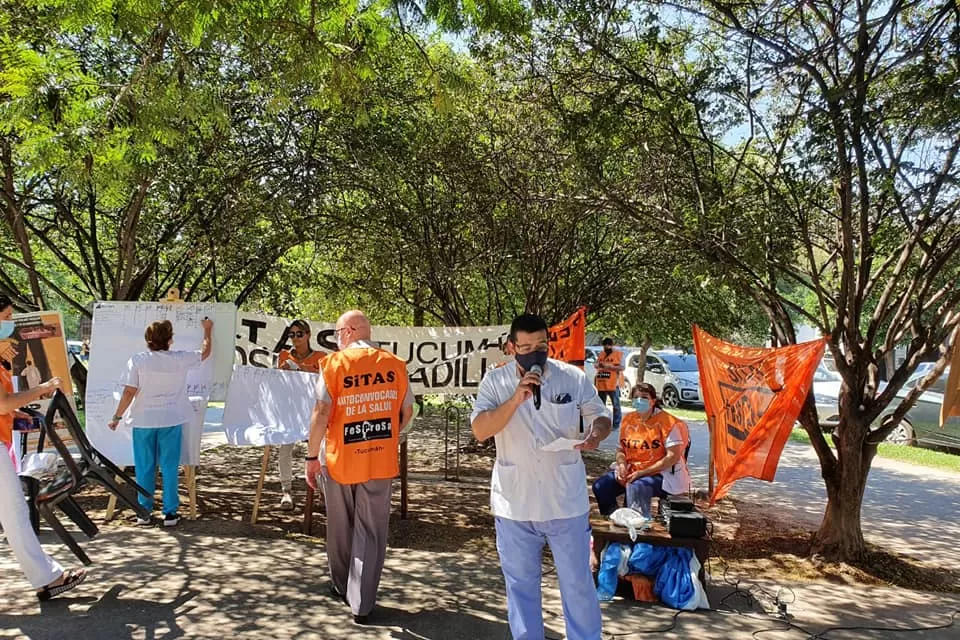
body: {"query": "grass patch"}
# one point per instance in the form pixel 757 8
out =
pixel 914 455
pixel 697 415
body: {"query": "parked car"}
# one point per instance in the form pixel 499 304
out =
pixel 921 424
pixel 826 394
pixel 675 376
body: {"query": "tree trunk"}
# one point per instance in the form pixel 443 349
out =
pixel 841 536
pixel 14 218
pixel 642 365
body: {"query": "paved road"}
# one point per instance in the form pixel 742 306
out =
pixel 150 583
pixel 909 508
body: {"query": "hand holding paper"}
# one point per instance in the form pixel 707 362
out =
pixel 569 444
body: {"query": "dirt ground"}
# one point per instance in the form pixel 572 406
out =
pixel 453 515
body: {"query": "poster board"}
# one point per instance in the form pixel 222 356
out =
pixel 117 334
pixel 40 353
pixel 439 359
pixel 269 406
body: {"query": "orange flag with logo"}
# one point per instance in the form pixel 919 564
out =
pixel 951 396
pixel 568 339
pixel 752 397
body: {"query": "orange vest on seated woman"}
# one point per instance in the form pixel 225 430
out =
pixel 367 387
pixel 644 442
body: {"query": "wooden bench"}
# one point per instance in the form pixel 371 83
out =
pixel 605 531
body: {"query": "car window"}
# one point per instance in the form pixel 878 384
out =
pixel 590 356
pixel 940 386
pixel 634 361
pixel 652 362
pixel 681 363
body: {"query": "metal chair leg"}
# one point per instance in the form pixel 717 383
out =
pixel 70 507
pixel 47 512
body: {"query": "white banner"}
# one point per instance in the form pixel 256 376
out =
pixel 439 359
pixel 118 334
pixel 269 406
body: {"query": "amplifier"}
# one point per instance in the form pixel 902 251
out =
pixel 679 504
pixel 686 524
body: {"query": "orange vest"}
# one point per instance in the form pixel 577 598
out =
pixel 606 380
pixel 310 364
pixel 367 387
pixel 644 442
pixel 6 419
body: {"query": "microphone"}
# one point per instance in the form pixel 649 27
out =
pixel 537 369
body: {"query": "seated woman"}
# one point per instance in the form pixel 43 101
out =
pixel 651 457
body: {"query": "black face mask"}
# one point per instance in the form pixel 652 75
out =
pixel 527 360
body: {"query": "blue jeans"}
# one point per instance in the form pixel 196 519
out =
pixel 639 492
pixel 615 400
pixel 153 446
pixel 520 545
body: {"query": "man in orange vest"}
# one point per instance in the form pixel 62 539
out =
pixel 363 403
pixel 607 379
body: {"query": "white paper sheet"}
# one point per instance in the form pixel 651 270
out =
pixel 561 444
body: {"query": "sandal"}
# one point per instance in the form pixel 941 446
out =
pixel 70 579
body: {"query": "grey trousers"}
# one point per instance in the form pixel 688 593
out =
pixel 358 521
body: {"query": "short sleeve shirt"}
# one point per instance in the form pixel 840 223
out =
pixel 676 479
pixel 161 380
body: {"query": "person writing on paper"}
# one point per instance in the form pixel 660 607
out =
pixel 42 571
pixel 155 383
pixel 540 496
pixel 651 458
pixel 363 404
pixel 300 358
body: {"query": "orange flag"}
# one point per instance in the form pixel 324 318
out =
pixel 568 339
pixel 752 397
pixel 951 397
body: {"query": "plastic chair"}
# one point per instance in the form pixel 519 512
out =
pixel 59 493
pixel 93 465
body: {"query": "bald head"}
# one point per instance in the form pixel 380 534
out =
pixel 352 326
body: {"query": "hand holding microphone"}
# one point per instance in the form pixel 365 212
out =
pixel 537 369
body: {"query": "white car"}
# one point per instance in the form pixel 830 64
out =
pixel 675 376
pixel 826 394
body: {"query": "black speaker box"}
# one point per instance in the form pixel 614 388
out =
pixel 687 525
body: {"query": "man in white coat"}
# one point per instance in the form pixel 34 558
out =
pixel 540 496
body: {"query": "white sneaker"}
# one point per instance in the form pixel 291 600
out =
pixel 143 522
pixel 171 520
pixel 286 502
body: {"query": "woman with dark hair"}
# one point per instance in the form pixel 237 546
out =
pixel 156 384
pixel 300 358
pixel 650 456
pixel 43 572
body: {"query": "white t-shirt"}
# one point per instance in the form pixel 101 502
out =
pixel 528 483
pixel 676 479
pixel 161 377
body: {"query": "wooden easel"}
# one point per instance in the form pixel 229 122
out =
pixel 189 470
pixel 263 474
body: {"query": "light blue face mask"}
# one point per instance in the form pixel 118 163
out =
pixel 641 404
pixel 6 328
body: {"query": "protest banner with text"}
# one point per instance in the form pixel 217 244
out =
pixel 752 397
pixel 439 359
